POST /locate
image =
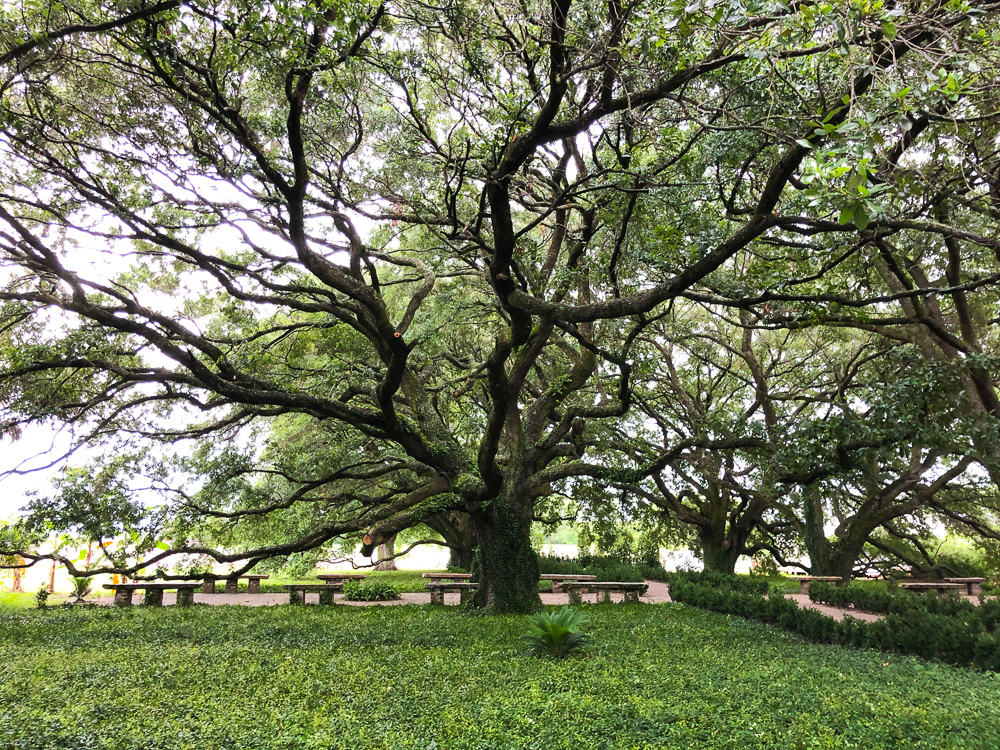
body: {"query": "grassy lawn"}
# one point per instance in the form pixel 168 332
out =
pixel 406 677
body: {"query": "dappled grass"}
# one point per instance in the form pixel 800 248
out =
pixel 404 677
pixel 18 600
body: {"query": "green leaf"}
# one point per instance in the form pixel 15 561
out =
pixel 846 216
pixel 861 218
pixel 889 30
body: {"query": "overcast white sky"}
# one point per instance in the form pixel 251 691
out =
pixel 21 454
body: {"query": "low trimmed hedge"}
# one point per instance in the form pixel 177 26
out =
pixel 898 601
pixel 890 600
pixel 917 631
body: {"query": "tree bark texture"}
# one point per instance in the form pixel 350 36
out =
pixel 507 568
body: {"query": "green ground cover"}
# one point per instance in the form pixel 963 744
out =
pixel 664 676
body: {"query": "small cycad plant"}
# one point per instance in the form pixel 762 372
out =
pixel 81 588
pixel 556 635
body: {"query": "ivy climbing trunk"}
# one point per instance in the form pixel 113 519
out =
pixel 507 569
pixel 718 557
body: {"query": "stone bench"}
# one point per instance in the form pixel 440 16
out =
pixel 232 583
pixel 436 577
pixel 940 587
pixel 297 591
pixel 630 591
pixel 465 590
pixel 804 581
pixel 154 593
pixel 973 586
pixel 558 579
pixel 341 577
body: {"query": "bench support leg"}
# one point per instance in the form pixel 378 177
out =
pixel 437 597
pixel 232 585
pixel 296 597
pixel 326 596
pixel 185 597
pixel 804 587
pixel 253 587
pixel 209 586
pixel 153 598
pixel 975 589
pixel 604 596
pixel 632 596
pixel 465 595
pixel 575 595
pixel 123 597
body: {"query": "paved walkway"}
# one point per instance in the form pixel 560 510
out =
pixel 656 594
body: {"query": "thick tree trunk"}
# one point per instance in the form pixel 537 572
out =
pixel 461 558
pixel 718 558
pixel 835 560
pixel 458 531
pixel 507 570
pixel 828 558
pixel 385 553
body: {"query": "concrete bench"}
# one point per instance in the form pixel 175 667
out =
pixel 973 586
pixel 436 577
pixel 297 591
pixel 154 593
pixel 630 591
pixel 940 587
pixel 465 590
pixel 232 583
pixel 341 577
pixel 558 579
pixel 804 581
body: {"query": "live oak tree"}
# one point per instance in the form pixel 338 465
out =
pixel 440 230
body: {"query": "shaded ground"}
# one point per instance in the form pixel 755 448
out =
pixel 304 678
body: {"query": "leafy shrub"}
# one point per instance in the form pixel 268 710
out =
pixel 715 580
pixel 370 591
pixel 556 635
pixel 41 596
